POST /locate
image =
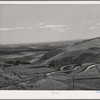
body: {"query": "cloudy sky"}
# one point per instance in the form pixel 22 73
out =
pixel 43 23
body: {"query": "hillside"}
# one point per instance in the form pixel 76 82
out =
pixel 51 66
pixel 86 51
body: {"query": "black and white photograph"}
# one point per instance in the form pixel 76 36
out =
pixel 49 46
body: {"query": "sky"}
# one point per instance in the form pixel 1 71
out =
pixel 33 23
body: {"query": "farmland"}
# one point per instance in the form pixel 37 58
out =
pixel 64 65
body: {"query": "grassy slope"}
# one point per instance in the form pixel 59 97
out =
pixel 87 51
pixel 79 52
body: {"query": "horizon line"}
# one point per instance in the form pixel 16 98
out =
pixel 46 42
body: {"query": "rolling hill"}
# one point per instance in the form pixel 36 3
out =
pixel 25 66
pixel 85 51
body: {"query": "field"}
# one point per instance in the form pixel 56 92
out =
pixel 65 65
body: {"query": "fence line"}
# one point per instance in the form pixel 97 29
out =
pixel 83 78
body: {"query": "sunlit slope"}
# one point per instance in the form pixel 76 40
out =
pixel 86 51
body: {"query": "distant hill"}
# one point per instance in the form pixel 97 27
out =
pixel 85 51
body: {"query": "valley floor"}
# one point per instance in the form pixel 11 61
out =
pixel 40 79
